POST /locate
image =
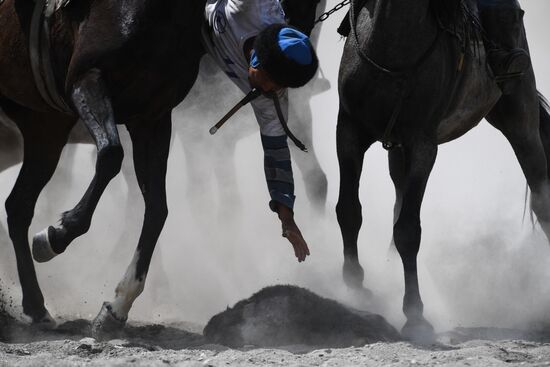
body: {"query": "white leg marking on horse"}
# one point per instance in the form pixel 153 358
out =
pixel 128 289
pixel 42 248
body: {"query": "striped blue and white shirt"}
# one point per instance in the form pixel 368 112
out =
pixel 230 24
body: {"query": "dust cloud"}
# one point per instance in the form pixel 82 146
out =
pixel 479 265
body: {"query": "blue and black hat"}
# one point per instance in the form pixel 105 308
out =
pixel 286 54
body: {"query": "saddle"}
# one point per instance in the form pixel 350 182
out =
pixel 57 4
pixel 53 6
pixel 464 24
pixel 39 49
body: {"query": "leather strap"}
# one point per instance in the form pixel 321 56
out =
pixel 281 116
pixel 41 62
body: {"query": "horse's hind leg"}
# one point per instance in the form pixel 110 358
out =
pixel 44 141
pixel 518 118
pixel 351 145
pixel 11 143
pixel 419 159
pixel 314 178
pixel 94 108
pixel 11 153
pixel 544 112
pixel 151 144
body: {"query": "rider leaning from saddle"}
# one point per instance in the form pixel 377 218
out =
pixel 251 43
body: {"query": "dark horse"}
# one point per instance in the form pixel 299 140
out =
pixel 116 62
pixel 416 65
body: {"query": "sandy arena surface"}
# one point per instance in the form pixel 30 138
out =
pixel 158 345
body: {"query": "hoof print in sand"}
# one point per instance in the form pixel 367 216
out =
pixel 288 315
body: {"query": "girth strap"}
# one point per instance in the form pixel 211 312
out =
pixel 40 56
pixel 403 93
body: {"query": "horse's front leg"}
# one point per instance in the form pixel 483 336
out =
pixel 419 158
pixel 44 137
pixel 396 163
pixel 90 98
pixel 151 144
pixel 351 145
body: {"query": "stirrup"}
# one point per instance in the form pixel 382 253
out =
pixel 509 76
pixel 508 65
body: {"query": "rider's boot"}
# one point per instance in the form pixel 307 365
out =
pixel 504 29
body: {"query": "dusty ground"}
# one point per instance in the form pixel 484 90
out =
pixel 183 345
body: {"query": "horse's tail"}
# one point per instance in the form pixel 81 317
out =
pixel 544 113
pixel 544 127
pixel 544 130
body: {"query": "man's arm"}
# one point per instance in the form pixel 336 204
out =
pixel 280 183
pixel 292 232
pixel 277 162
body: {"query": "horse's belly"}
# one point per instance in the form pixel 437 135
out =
pixel 476 96
pixel 11 143
pixel 151 94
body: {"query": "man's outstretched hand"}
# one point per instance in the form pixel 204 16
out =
pixel 292 233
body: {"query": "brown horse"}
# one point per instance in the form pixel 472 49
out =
pixel 115 62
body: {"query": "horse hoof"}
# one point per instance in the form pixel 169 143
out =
pixel 46 322
pixel 107 325
pixel 353 275
pixel 41 247
pixel 418 331
pixel 365 293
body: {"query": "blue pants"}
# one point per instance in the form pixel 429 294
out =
pixel 514 4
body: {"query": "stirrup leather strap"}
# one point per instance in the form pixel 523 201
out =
pixel 40 56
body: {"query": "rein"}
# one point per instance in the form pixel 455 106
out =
pixel 403 76
pixel 289 133
pixel 327 14
pixel 252 95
